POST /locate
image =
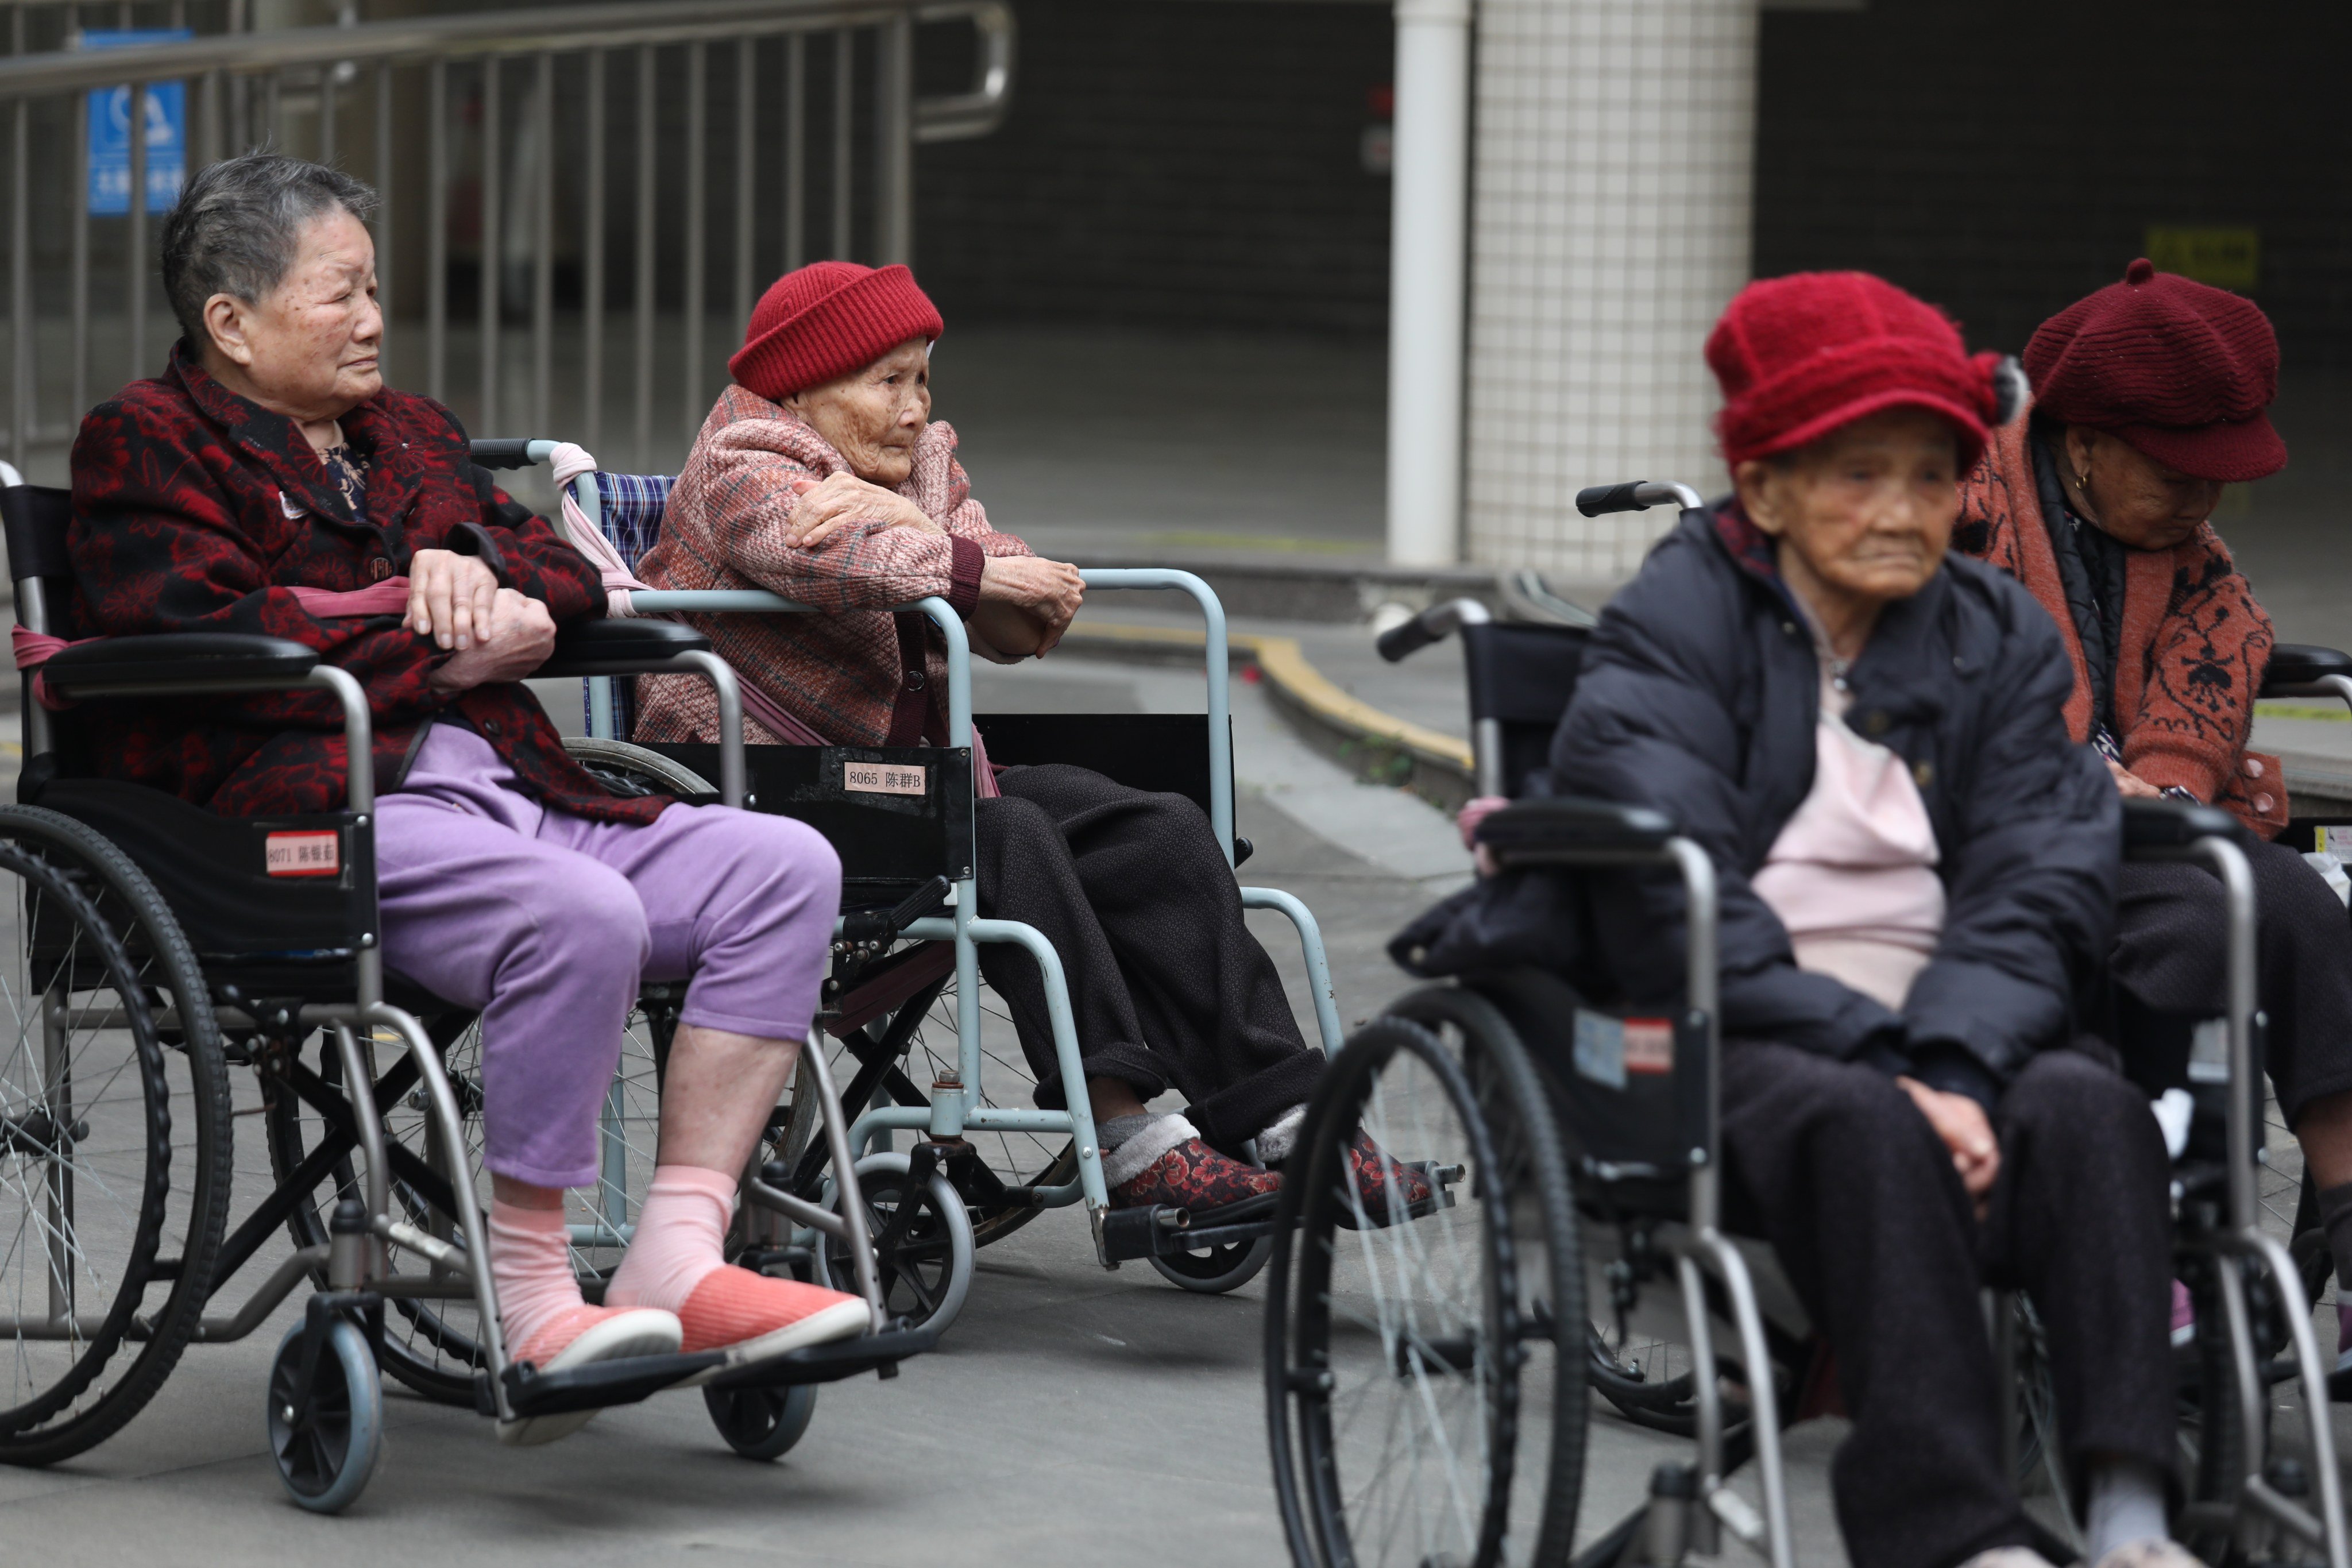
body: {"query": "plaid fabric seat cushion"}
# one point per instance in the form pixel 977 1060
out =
pixel 630 512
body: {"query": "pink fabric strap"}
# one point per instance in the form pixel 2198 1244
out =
pixel 389 598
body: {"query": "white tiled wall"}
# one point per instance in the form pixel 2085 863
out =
pixel 1613 145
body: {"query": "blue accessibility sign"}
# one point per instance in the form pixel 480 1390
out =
pixel 166 130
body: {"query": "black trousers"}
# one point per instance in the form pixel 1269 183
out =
pixel 2168 952
pixel 1832 1162
pixel 1168 987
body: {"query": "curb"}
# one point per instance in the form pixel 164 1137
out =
pixel 1377 747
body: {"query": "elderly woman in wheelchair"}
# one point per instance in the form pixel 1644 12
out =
pixel 270 483
pixel 1916 869
pixel 820 475
pixel 2149 397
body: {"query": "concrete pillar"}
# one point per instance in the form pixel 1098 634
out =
pixel 1613 172
pixel 1426 255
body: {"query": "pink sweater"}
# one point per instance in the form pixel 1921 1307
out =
pixel 1852 874
pixel 856 676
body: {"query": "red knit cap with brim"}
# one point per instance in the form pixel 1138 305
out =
pixel 826 320
pixel 2181 370
pixel 1802 355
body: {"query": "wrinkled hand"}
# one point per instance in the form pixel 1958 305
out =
pixel 1468 818
pixel 836 501
pixel 1961 1123
pixel 2130 784
pixel 1047 593
pixel 522 634
pixel 450 597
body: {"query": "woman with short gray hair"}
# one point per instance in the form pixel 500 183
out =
pixel 268 482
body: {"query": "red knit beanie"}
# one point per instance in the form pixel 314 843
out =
pixel 826 320
pixel 2181 370
pixel 1801 355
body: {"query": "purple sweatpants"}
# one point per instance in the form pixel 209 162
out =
pixel 546 922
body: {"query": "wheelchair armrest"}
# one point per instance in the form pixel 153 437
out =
pixel 2155 827
pixel 1561 825
pixel 186 661
pixel 2296 667
pixel 619 646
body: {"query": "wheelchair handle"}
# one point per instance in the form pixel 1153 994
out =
pixel 505 452
pixel 1634 495
pixel 1432 624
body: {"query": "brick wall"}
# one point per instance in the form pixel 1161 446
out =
pixel 1171 162
pixel 2004 157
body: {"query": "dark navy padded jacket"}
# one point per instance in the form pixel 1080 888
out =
pixel 1698 697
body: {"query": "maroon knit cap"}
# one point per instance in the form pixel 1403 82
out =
pixel 826 320
pixel 2181 370
pixel 1800 356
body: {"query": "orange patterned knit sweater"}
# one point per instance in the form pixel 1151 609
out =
pixel 2194 641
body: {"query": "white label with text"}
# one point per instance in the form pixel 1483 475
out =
pixel 882 778
pixel 303 854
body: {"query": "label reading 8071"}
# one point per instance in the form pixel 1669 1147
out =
pixel 303 854
pixel 882 778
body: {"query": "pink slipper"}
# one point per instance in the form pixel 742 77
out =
pixel 578 1336
pixel 754 1318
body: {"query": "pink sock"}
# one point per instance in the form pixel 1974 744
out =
pixel 531 1265
pixel 681 1236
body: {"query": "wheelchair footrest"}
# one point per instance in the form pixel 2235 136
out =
pixel 1162 1231
pixel 879 1353
pixel 630 1379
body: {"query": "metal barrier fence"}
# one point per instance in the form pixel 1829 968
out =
pixel 493 139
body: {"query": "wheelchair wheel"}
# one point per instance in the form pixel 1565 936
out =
pixel 327 1446
pixel 762 1423
pixel 633 770
pixel 433 1346
pixel 1548 1253
pixel 1015 1159
pixel 1214 1270
pixel 1640 1379
pixel 114 1137
pixel 923 1243
pixel 1393 1338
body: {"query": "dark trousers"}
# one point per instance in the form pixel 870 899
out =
pixel 1833 1163
pixel 1167 984
pixel 2168 953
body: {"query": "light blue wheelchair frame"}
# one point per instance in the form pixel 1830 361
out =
pixel 952 1114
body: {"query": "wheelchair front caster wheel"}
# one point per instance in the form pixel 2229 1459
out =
pixel 922 1243
pixel 326 1449
pixel 762 1423
pixel 1214 1270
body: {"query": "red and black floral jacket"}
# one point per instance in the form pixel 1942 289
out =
pixel 195 510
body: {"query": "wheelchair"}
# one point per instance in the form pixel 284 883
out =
pixel 1428 1383
pixel 153 946
pixel 913 1034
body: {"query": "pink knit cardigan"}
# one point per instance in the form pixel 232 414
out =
pixel 857 675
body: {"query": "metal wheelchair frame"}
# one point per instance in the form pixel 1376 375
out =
pixel 950 1115
pixel 1599 834
pixel 357 1259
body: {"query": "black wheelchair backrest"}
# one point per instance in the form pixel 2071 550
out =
pixel 1521 677
pixel 34 518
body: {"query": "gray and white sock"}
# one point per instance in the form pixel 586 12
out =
pixel 1281 1135
pixel 1133 1144
pixel 2127 1507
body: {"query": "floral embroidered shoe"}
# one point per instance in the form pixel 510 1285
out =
pixel 1192 1175
pixel 1387 1188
